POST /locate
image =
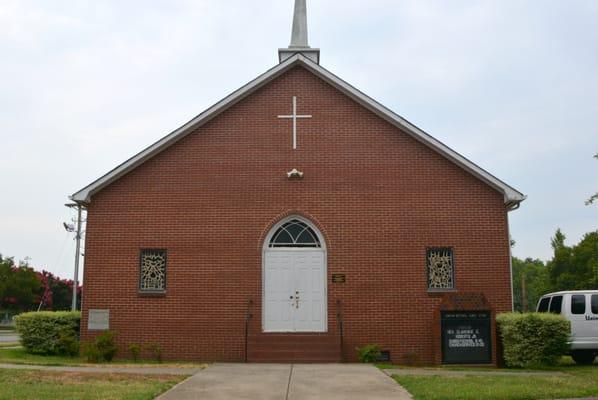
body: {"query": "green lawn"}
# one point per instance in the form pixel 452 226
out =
pixel 19 356
pixel 22 385
pixel 579 381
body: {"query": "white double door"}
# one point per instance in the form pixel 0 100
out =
pixel 295 290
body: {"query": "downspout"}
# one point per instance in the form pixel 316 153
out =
pixel 511 206
pixel 510 262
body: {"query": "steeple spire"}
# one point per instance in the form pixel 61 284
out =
pixel 299 41
pixel 299 37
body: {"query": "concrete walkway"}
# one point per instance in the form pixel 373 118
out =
pixel 110 369
pixel 288 382
pixel 481 372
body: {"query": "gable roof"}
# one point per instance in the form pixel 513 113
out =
pixel 512 197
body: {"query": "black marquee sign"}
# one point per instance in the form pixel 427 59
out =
pixel 466 337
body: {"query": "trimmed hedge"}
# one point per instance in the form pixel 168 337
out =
pixel 48 332
pixel 533 339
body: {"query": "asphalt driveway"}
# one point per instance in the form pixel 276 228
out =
pixel 288 382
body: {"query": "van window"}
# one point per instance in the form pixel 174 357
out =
pixel 556 304
pixel 578 304
pixel 543 307
pixel 595 304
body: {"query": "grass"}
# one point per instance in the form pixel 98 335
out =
pixel 9 344
pixel 20 356
pixel 24 385
pixel 579 381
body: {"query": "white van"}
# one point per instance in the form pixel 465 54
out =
pixel 581 308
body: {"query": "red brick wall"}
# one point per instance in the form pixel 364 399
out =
pixel 380 197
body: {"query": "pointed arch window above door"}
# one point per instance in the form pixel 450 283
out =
pixel 295 233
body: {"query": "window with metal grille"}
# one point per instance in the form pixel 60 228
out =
pixel 295 233
pixel 441 271
pixel 152 274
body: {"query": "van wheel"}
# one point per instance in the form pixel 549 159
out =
pixel 583 357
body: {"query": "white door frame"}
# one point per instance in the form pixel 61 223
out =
pixel 266 248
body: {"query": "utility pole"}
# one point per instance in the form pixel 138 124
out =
pixel 77 252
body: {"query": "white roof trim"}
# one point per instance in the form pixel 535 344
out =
pixel 512 197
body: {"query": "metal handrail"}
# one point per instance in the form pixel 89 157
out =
pixel 339 317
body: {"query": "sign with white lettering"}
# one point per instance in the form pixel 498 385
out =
pixel 99 320
pixel 466 337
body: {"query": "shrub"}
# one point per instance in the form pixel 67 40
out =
pixel 106 346
pixel 68 342
pixel 156 351
pixel 533 339
pixel 368 353
pixel 102 348
pixel 135 349
pixel 90 351
pixel 49 332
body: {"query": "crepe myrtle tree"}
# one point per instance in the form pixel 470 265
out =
pixel 24 289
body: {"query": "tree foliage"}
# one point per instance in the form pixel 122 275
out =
pixel 594 197
pixel 24 289
pixel 19 286
pixel 576 267
pixel 537 282
pixel 571 268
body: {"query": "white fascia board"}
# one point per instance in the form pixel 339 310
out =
pixel 511 196
pixel 84 195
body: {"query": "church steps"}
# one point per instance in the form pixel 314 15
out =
pixel 293 348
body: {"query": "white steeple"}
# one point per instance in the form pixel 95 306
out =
pixel 299 36
pixel 299 42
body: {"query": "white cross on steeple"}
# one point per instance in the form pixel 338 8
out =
pixel 294 117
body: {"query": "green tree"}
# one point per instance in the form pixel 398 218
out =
pixel 537 282
pixel 20 286
pixel 574 267
pixel 592 199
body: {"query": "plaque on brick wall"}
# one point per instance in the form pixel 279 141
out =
pixel 339 278
pixel 466 337
pixel 99 320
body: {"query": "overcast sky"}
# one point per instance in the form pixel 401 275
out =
pixel 84 85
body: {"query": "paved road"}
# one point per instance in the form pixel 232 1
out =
pixel 8 337
pixel 288 382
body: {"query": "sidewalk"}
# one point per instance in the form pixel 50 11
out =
pixel 288 382
pixel 110 369
pixel 481 372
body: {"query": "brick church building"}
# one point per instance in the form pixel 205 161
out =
pixel 296 220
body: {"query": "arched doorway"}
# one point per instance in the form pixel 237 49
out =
pixel 294 294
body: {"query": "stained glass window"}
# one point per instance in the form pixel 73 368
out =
pixel 152 271
pixel 441 272
pixel 295 233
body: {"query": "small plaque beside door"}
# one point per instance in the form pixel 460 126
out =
pixel 99 320
pixel 339 278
